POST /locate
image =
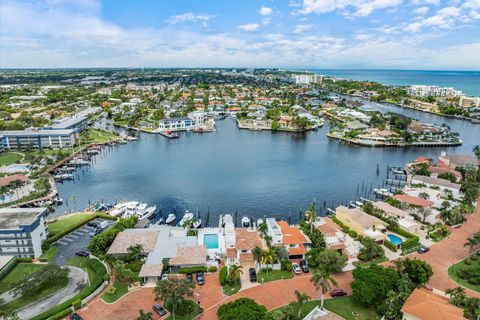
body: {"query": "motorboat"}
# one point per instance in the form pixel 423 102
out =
pixel 171 218
pixel 359 204
pixel 352 204
pixel 146 213
pixel 330 212
pixel 63 176
pixel 196 223
pixel 246 222
pixel 383 192
pixel 188 216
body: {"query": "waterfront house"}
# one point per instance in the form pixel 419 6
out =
pixel 415 202
pixel 39 139
pixel 440 168
pixel 362 223
pixel 294 240
pixel 22 231
pixel 445 186
pixel 274 231
pixel 423 304
pixel 176 124
pixel 404 219
pixel 356 125
pixel 458 160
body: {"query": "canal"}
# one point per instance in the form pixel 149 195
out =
pixel 254 173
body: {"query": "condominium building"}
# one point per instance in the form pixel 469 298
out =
pixel 177 124
pixel 307 78
pixel 22 231
pixel 469 102
pixel 433 91
pixel 39 139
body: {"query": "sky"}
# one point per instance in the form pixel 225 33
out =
pixel 323 34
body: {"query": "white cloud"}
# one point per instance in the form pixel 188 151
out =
pixel 189 17
pixel 301 28
pixel 421 10
pixel 265 11
pixel 421 2
pixel 360 8
pixel 249 27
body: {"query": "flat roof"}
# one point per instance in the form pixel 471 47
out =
pixel 13 218
pixel 38 132
pixel 65 123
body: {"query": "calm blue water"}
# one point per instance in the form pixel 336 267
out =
pixel 467 81
pixel 255 173
pixel 210 241
pixel 394 239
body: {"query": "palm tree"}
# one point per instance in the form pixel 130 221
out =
pixel 262 228
pixel 173 292
pixel 472 242
pixel 311 215
pixel 301 299
pixel 268 257
pixel 144 315
pixel 257 254
pixel 322 280
pixel 424 195
pixel 234 272
pixel 268 240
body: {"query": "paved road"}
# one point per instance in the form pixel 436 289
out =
pixel 76 280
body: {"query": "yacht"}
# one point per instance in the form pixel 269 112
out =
pixel 171 218
pixel 188 216
pixel 246 223
pixel 383 192
pixel 146 213
pixel 64 176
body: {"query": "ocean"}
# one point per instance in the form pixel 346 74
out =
pixel 467 81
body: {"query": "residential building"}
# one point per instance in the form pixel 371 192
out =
pixel 274 231
pixel 362 223
pixel 458 160
pixel 405 220
pixel 294 240
pixel 307 78
pixel 39 139
pixel 22 231
pixel 423 304
pixel 433 91
pixel 245 241
pixel 446 186
pixel 469 102
pixel 177 124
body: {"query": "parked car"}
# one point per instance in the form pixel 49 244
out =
pixel 422 249
pixel 159 309
pixel 304 266
pixel 338 292
pixel 93 224
pixel 253 274
pixel 189 277
pixel 164 277
pixel 200 278
pixel 95 232
pixel 296 268
pixel 82 253
pixel 75 316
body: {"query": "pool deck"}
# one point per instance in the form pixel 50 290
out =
pixel 221 242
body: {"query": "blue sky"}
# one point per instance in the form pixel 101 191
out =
pixel 387 34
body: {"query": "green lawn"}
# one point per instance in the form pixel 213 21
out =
pixel 368 263
pixel 19 272
pixel 9 158
pixel 67 223
pixel 50 254
pixel 188 311
pixel 122 289
pixel 273 275
pixel 41 293
pixel 452 273
pixel 96 136
pixel 231 289
pixel 343 306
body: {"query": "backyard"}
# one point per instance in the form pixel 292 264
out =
pixel 273 275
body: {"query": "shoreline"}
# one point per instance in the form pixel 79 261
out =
pixel 392 145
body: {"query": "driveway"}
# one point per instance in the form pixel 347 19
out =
pixel 76 281
pixel 76 240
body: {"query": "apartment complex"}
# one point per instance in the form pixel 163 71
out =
pixel 307 78
pixel 39 139
pixel 22 231
pixel 433 91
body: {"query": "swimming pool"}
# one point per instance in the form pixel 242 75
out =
pixel 17 168
pixel 394 239
pixel 210 241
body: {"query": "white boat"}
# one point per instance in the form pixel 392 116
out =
pixel 352 204
pixel 188 216
pixel 246 223
pixel 358 203
pixel 196 223
pixel 64 176
pixel 171 218
pixel 79 162
pixel 130 138
pixel 259 221
pixel 383 192
pixel 146 213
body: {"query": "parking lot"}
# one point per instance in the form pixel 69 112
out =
pixel 74 241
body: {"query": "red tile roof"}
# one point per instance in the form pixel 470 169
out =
pixel 4 181
pixel 425 305
pixel 292 235
pixel 413 200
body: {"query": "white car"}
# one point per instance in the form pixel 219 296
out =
pixel 296 268
pixel 164 277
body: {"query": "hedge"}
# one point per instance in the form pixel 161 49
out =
pixel 345 228
pixel 390 245
pixel 410 243
pixel 24 260
pixel 64 232
pixel 8 267
pixel 192 269
pixel 62 314
pixel 76 304
pixel 223 275
pixel 212 269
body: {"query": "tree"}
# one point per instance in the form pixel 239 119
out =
pixel 234 273
pixel 322 281
pixel 144 315
pixel 134 252
pixel 330 260
pixel 311 215
pixel 257 254
pixel 448 176
pixel 173 292
pixel 372 284
pixel 50 275
pixel 371 250
pixel 268 257
pixel 243 309
pixel 123 273
pixel 302 298
pixel 262 228
pixel 417 271
pixel 424 195
pixel 472 242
